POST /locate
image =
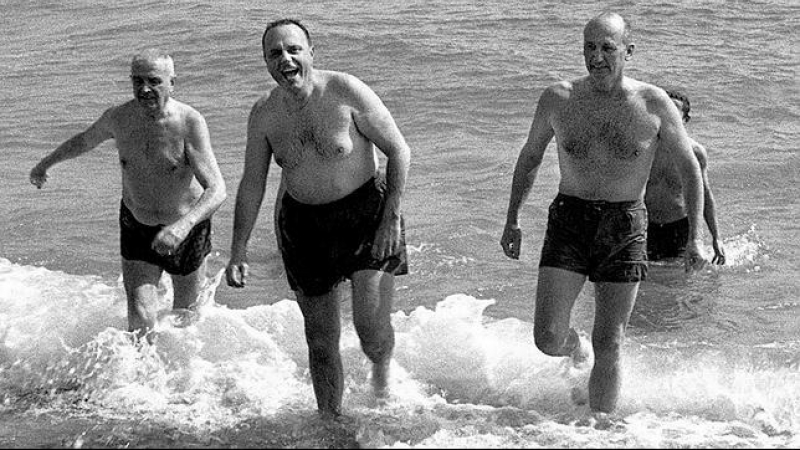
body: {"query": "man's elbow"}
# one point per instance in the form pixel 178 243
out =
pixel 218 192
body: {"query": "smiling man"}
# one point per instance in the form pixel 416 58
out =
pixel 338 217
pixel 608 128
pixel 171 186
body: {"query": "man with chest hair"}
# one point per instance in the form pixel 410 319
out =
pixel 608 128
pixel 337 217
pixel 171 186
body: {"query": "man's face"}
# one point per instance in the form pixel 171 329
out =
pixel 289 56
pixel 152 82
pixel 679 104
pixel 604 51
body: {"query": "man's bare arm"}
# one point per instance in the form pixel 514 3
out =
pixel 249 196
pixel 204 164
pixel 375 122
pixel 98 132
pixel 709 204
pixel 527 166
pixel 675 140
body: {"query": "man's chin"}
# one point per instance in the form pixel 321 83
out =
pixel 149 105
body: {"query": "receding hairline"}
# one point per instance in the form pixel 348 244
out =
pixel 612 18
pixel 151 56
pixel 285 22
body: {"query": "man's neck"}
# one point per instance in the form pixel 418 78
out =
pixel 157 113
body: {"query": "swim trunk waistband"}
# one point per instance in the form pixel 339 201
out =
pixel 598 204
pixel 354 198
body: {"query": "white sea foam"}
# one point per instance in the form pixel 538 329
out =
pixel 459 378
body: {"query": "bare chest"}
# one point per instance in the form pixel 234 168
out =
pixel 155 148
pixel 605 134
pixel 312 137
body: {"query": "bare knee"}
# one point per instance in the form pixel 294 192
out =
pixel 377 344
pixel 372 303
pixel 607 347
pixel 554 344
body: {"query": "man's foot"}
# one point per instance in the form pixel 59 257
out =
pixel 601 421
pixel 335 418
pixel 177 318
pixel 579 395
pixel 380 380
pixel 582 352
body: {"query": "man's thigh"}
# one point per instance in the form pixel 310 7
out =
pixel 556 292
pixel 613 305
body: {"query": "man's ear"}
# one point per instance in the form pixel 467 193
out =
pixel 629 51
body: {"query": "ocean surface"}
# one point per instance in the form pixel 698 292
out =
pixel 711 360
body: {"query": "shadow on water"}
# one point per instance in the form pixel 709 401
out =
pixel 670 299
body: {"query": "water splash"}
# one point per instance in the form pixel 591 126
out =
pixel 459 379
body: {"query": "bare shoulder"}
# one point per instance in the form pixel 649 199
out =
pixel 556 95
pixel 119 113
pixel 652 95
pixel 265 103
pixel 347 87
pixel 187 113
pixel 340 80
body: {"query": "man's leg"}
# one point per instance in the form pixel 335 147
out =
pixel 613 305
pixel 373 295
pixel 141 288
pixel 321 317
pixel 556 292
pixel 186 288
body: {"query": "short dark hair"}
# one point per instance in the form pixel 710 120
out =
pixel 281 22
pixel 686 105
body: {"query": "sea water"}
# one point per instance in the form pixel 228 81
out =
pixel 711 358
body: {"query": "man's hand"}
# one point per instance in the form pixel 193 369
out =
pixel 168 239
pixel 719 254
pixel 511 241
pixel 236 273
pixel 387 239
pixel 694 259
pixel 38 176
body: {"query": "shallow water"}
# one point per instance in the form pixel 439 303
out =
pixel 711 360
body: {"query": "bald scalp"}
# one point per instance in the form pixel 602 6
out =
pixel 612 22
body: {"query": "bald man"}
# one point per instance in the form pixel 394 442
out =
pixel 171 186
pixel 608 128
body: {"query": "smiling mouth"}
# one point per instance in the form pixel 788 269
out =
pixel 290 73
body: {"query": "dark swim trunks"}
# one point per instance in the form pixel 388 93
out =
pixel 136 239
pixel 322 245
pixel 667 240
pixel 604 240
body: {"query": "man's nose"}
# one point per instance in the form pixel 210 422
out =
pixel 284 56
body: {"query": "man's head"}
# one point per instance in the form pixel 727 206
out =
pixel 682 102
pixel 288 52
pixel 607 46
pixel 153 78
